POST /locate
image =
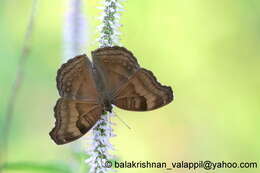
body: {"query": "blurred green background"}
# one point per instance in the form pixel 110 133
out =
pixel 208 51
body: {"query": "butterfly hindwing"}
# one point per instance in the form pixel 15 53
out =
pixel 142 92
pixel 73 119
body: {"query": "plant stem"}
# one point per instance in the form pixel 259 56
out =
pixel 102 131
pixel 75 30
pixel 17 83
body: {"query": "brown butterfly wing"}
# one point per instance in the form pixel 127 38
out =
pixel 78 109
pixel 75 79
pixel 73 119
pixel 132 88
pixel 116 65
pixel 142 92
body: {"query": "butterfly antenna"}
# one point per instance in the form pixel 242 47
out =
pixel 122 121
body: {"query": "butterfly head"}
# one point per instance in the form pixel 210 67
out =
pixel 107 106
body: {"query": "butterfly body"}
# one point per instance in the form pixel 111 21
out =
pixel 105 95
pixel 88 89
pixel 107 106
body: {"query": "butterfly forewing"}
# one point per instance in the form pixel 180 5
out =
pixel 116 65
pixel 75 80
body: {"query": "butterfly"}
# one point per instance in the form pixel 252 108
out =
pixel 88 89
